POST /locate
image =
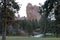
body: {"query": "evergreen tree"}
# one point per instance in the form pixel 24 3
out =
pixel 8 8
pixel 53 7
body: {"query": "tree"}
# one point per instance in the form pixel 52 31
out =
pixel 8 8
pixel 29 26
pixel 51 7
pixel 43 20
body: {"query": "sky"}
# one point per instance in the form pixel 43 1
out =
pixel 22 11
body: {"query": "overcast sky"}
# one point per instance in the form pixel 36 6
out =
pixel 24 3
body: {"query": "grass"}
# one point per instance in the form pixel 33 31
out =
pixel 28 38
pixel 50 36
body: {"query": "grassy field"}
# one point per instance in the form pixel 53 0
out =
pixel 28 38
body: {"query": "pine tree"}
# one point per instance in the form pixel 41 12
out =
pixel 53 7
pixel 8 8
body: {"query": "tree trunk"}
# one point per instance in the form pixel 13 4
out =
pixel 4 21
pixel 4 31
pixel 4 34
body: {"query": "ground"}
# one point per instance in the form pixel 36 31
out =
pixel 28 38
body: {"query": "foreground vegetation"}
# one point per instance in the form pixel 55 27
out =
pixel 28 38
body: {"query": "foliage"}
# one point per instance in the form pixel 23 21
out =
pixel 29 26
pixel 52 7
pixel 8 8
pixel 11 8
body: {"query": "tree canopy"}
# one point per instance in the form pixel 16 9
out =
pixel 8 8
pixel 52 7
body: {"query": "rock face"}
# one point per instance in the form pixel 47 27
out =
pixel 38 36
pixel 33 12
